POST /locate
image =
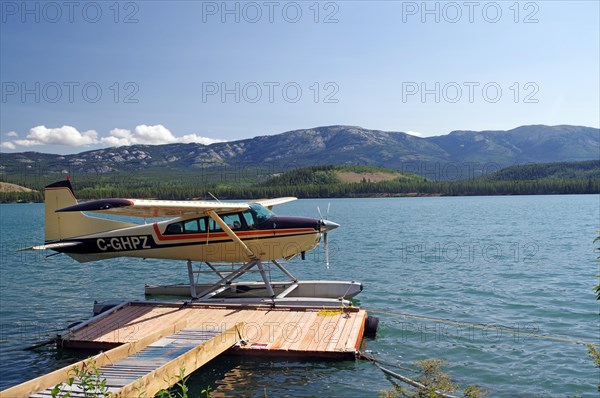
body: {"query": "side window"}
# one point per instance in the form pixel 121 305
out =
pixel 214 227
pixel 174 229
pixel 202 224
pixel 233 221
pixel 188 227
pixel 191 226
pixel 248 218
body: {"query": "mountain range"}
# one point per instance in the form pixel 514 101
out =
pixel 331 145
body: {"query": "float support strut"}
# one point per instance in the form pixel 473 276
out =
pixel 191 276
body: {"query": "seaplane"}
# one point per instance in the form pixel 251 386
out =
pixel 231 238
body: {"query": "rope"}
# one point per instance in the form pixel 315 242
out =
pixel 485 327
pixel 398 376
pixel 412 382
pixel 362 355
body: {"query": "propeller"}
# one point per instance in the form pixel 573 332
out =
pixel 325 227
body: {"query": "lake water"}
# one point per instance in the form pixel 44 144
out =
pixel 516 268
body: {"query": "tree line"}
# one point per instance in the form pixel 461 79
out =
pixel 182 191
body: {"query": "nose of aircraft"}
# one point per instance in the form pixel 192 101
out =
pixel 327 225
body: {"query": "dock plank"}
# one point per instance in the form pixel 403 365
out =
pixel 344 321
pixel 318 327
pixel 356 335
pixel 350 324
pixel 295 334
pixel 288 328
pixel 311 333
pixel 268 328
pixel 101 330
pixel 275 326
pixel 331 328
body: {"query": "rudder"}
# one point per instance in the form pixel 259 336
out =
pixel 65 225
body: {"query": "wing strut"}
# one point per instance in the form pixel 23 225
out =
pixel 253 258
pixel 232 235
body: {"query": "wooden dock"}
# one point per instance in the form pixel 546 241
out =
pixel 146 343
pixel 142 367
pixel 279 331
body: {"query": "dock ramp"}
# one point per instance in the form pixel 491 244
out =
pixel 140 368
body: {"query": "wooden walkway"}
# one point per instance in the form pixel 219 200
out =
pixel 144 367
pixel 148 342
pixel 297 332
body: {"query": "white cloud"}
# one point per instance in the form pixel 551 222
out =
pixel 7 145
pixel 118 137
pixel 199 139
pixel 70 136
pixel 151 135
pixel 415 133
pixel 65 135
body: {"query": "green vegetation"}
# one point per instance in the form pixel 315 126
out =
pixel 337 174
pixel 89 381
pixel 86 379
pixel 584 170
pixel 432 383
pixel 180 388
pixel 595 354
pixel 315 182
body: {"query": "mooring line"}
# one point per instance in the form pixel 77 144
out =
pixel 362 355
pixel 485 327
pixel 398 376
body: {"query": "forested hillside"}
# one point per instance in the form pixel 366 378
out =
pixel 334 181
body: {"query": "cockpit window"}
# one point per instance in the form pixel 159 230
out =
pixel 249 219
pixel 233 221
pixel 192 226
pixel 174 229
pixel 257 214
pixel 260 213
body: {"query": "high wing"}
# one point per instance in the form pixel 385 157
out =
pixel 274 202
pixel 165 208
pixel 154 208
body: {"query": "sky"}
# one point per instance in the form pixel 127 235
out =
pixel 79 75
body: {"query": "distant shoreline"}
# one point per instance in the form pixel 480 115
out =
pixel 365 196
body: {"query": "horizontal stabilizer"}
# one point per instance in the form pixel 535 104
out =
pixel 51 246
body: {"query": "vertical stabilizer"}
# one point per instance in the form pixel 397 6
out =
pixel 65 225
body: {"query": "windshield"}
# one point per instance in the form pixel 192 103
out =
pixel 260 213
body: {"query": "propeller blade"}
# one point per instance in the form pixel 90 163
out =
pixel 326 247
pixel 326 226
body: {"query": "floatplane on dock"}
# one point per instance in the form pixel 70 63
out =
pixel 147 342
pixel 231 238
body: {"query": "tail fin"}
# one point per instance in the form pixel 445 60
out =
pixel 70 224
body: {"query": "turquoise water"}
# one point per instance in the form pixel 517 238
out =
pixel 518 267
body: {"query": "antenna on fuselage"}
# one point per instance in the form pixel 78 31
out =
pixel 214 197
